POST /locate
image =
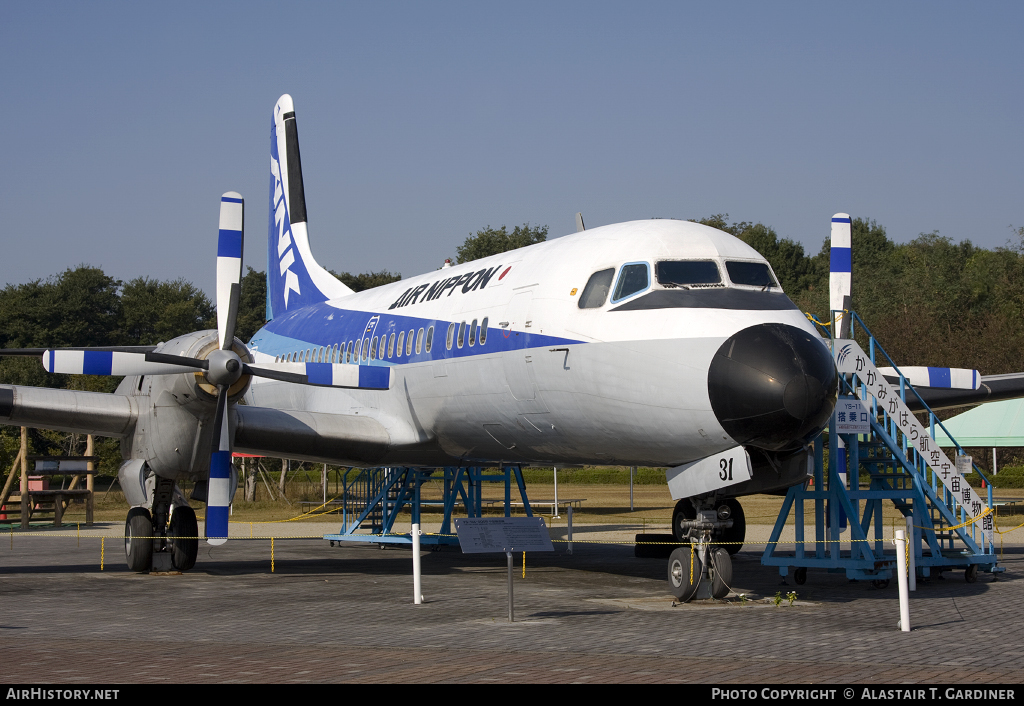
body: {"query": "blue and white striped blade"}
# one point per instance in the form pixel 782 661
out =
pixel 950 378
pixel 229 266
pixel 840 281
pixel 357 377
pixel 107 363
pixel 218 503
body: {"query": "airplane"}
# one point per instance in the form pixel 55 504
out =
pixel 661 343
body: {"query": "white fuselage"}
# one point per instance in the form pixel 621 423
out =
pixel 622 383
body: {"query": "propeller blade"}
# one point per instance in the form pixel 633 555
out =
pixel 91 362
pixel 40 351
pixel 218 503
pixel 229 266
pixel 356 377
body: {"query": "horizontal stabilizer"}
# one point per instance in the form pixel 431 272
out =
pixel 950 378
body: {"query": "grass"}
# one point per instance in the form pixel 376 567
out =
pixel 604 504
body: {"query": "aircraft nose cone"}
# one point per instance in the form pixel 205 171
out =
pixel 773 386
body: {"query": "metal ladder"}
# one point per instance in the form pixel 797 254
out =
pixel 952 526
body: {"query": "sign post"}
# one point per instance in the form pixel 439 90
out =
pixel 481 535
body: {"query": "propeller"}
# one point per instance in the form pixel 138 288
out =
pixel 223 367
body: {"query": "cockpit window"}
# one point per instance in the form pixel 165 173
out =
pixel 596 291
pixel 634 277
pixel 687 273
pixel 752 274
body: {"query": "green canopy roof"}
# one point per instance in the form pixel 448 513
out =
pixel 990 424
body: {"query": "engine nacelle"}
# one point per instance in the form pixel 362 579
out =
pixel 174 431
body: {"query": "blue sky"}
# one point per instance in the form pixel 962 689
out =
pixel 421 122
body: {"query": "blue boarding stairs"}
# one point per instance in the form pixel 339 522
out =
pixel 373 498
pixel 952 524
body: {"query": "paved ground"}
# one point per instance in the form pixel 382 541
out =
pixel 600 615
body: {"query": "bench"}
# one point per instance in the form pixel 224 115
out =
pixel 562 502
pixel 62 466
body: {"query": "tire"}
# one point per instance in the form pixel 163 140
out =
pixel 721 572
pixel 800 576
pixel 684 511
pixel 684 570
pixel 880 583
pixel 971 574
pixel 184 538
pixel 138 539
pixel 738 531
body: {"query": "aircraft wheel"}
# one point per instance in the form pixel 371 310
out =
pixel 684 511
pixel 138 539
pixel 800 576
pixel 184 538
pixel 721 572
pixel 971 574
pixel 880 583
pixel 738 531
pixel 684 570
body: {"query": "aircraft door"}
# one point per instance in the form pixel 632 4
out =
pixel 518 362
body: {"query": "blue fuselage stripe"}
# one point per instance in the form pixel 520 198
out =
pixel 321 325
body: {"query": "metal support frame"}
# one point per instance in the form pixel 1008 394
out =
pixel 374 498
pixel 898 474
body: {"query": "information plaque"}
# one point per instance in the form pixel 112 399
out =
pixel 478 535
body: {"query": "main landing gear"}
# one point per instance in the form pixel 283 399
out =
pixel 712 530
pixel 166 539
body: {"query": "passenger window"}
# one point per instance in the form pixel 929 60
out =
pixel 633 278
pixel 462 334
pixel 419 342
pixel 472 333
pixel 752 274
pixel 451 336
pixel 373 349
pixel 348 352
pixel 359 351
pixel 408 342
pixel 401 342
pixel 366 348
pixel 320 355
pixel 383 345
pixel 596 291
pixel 391 345
pixel 483 331
pixel 430 338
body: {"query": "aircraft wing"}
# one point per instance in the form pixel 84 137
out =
pixel 295 434
pixel 75 411
pixel 310 436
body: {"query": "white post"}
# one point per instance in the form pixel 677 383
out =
pixel 995 470
pixel 901 568
pixel 911 554
pixel 555 513
pixel 631 470
pixel 569 548
pixel 416 583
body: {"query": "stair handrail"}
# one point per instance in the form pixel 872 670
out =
pixel 905 385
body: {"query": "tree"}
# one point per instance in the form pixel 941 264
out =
pixel 367 280
pixel 153 311
pixel 492 241
pixel 252 304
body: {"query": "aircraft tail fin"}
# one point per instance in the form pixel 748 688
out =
pixel 294 278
